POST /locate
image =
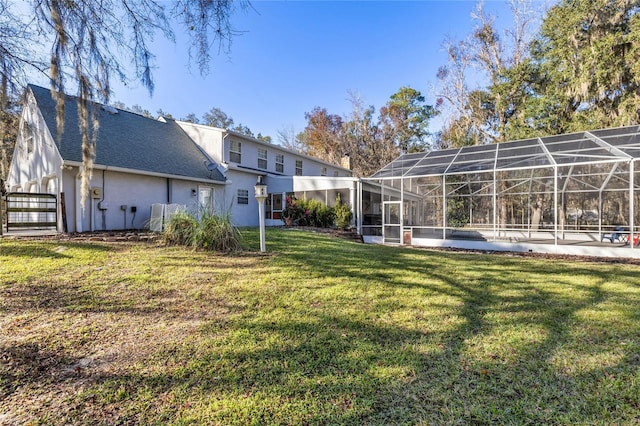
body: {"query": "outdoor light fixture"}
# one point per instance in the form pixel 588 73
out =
pixel 261 195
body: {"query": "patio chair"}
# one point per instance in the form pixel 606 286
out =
pixel 617 235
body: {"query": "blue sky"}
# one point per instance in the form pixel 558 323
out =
pixel 295 55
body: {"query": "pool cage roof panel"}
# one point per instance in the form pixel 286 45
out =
pixel 600 146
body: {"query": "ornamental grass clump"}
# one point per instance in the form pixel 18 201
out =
pixel 209 232
pixel 180 229
pixel 216 232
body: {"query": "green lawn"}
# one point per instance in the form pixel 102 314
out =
pixel 318 331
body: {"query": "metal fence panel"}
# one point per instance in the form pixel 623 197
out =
pixel 31 210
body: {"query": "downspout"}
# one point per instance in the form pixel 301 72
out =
pixel 78 205
pixel 92 213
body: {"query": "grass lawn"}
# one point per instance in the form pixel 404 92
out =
pixel 318 331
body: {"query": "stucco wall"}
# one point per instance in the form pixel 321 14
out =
pixel 125 189
pixel 241 214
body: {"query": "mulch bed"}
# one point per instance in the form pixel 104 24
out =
pixel 100 236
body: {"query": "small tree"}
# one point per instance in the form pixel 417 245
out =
pixel 343 214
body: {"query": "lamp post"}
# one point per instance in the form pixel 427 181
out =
pixel 261 195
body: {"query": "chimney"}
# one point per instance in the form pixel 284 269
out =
pixel 345 162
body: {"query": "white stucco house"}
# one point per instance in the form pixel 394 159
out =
pixel 142 161
pixel 243 159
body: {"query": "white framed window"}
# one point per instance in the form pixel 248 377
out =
pixel 235 152
pixel 298 167
pixel 262 158
pixel 280 163
pixel 243 196
pixel 323 172
pixel 27 137
pixel 335 173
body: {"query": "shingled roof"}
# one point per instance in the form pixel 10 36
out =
pixel 128 140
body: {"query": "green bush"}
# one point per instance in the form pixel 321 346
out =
pixel 211 232
pixel 316 213
pixel 303 212
pixel 343 214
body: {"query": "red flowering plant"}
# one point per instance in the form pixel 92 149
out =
pixel 293 211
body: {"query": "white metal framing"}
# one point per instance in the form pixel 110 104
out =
pixel 592 147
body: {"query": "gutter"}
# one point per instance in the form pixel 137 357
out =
pixel 145 173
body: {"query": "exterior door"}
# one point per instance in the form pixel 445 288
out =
pixel 391 225
pixel 205 200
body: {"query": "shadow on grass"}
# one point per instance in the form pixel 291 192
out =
pixel 26 363
pixel 385 335
pixel 555 376
pixel 30 249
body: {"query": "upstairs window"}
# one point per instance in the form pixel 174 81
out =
pixel 262 158
pixel 335 173
pixel 323 172
pixel 243 196
pixel 298 167
pixel 280 163
pixel 27 136
pixel 235 152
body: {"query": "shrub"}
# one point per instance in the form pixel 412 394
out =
pixel 307 213
pixel 343 214
pixel 316 214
